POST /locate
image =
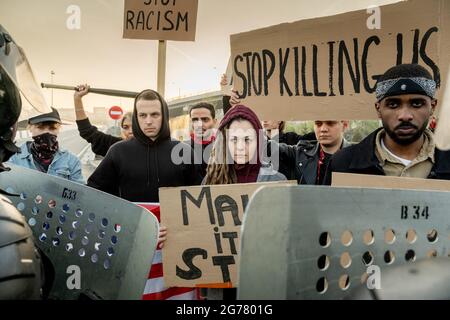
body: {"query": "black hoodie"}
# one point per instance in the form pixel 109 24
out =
pixel 135 169
pixel 100 142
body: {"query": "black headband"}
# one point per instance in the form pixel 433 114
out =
pixel 400 86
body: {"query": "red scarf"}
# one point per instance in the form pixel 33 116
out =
pixel 203 142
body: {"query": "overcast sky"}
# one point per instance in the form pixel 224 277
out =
pixel 97 54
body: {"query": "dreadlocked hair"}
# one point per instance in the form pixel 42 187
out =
pixel 219 170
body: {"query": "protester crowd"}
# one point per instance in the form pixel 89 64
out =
pixel 241 148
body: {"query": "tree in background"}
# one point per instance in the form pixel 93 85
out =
pixel 358 129
pixel 299 127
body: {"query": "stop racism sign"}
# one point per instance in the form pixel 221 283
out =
pixel 115 112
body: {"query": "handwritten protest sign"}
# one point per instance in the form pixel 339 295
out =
pixel 327 68
pixel 442 136
pixel 160 19
pixel 204 225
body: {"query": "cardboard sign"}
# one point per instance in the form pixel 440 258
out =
pixel 204 226
pixel 326 68
pixel 442 136
pixel 385 182
pixel 160 19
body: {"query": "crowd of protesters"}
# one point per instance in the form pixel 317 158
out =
pixel 241 148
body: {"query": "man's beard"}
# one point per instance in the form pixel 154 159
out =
pixel 406 140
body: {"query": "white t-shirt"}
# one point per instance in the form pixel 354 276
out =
pixel 405 162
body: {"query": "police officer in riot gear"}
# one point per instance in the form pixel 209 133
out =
pixel 21 271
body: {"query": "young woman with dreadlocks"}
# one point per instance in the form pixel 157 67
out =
pixel 236 157
pixel 237 154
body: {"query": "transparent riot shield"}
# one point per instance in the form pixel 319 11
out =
pixel 308 242
pixel 100 246
pixel 14 63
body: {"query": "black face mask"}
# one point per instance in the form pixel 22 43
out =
pixel 43 148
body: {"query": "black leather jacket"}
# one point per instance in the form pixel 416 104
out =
pixel 300 162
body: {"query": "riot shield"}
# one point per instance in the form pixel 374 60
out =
pixel 15 65
pixel 100 246
pixel 310 242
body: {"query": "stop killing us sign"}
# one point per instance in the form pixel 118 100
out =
pixel 327 68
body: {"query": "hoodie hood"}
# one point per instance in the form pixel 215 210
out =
pixel 241 111
pixel 246 173
pixel 164 133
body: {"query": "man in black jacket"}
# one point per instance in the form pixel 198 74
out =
pixel 403 147
pixel 307 161
pixel 136 168
pixel 100 142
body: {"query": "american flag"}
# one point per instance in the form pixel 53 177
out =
pixel 155 288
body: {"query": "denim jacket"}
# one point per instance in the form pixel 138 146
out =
pixel 64 165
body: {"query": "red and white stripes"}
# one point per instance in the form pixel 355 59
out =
pixel 155 288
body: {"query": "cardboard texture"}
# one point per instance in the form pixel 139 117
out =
pixel 160 20
pixel 326 68
pixel 384 182
pixel 442 134
pixel 204 227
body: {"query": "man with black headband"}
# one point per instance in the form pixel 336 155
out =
pixel 44 154
pixel 403 147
